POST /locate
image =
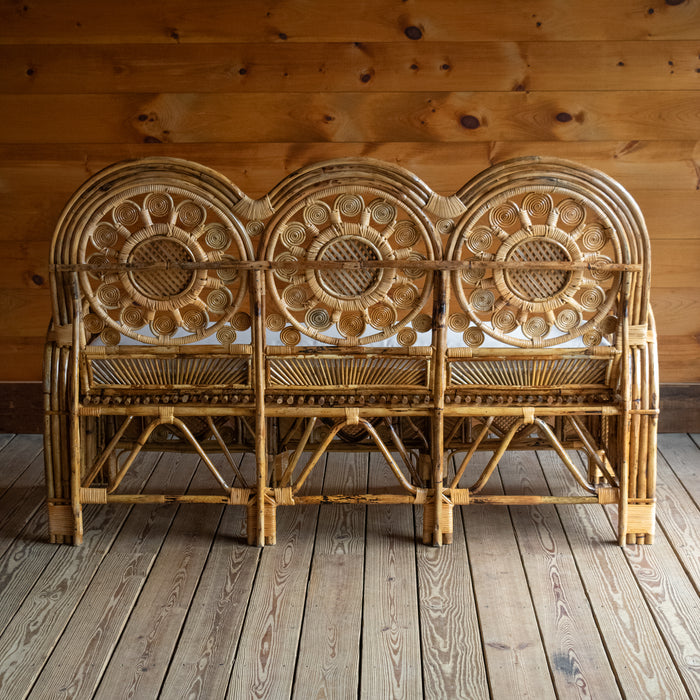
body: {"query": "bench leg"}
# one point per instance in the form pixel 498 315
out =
pixel 446 523
pixel 65 525
pixel 269 524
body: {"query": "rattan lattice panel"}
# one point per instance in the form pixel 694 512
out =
pixel 342 373
pixel 584 371
pixel 157 372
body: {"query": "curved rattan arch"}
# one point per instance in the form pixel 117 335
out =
pixel 119 184
pixel 325 184
pixel 617 215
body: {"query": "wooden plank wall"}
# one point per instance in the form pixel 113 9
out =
pixel 256 89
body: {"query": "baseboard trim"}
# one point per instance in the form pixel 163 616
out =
pixel 22 408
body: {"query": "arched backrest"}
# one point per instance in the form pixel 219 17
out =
pixel 149 241
pixel 338 241
pixel 554 252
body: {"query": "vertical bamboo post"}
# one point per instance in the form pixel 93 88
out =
pixel 625 418
pixel 75 451
pixel 258 537
pixel 440 536
pixel 652 420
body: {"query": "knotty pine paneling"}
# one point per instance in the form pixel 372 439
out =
pixel 258 89
pixel 352 117
pixel 346 67
pixel 311 21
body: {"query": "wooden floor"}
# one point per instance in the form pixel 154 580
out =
pixel 169 602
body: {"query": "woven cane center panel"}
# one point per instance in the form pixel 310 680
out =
pixel 161 283
pixel 537 285
pixel 348 283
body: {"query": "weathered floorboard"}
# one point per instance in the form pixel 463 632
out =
pixel 683 454
pixel 21 501
pixel 349 602
pixel 328 658
pixel 201 665
pixel 513 648
pixel 576 652
pixel 44 613
pixel 639 657
pixel 390 663
pixel 264 666
pixel 84 650
pixel 453 659
pixel 139 663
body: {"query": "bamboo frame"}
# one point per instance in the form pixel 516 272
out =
pixel 352 297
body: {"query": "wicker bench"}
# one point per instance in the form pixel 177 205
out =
pixel 351 307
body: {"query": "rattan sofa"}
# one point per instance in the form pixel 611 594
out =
pixel 351 308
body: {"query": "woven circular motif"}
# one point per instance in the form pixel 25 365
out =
pixel 217 237
pixel 110 336
pixel 241 321
pixel 132 317
pixel 105 236
pixel 458 322
pixel 482 299
pixel 351 325
pixel 414 272
pixel 159 204
pixel 480 239
pixel 318 319
pixel 445 226
pixel 293 235
pixel 218 300
pixel 290 336
pixel 537 204
pixel 274 322
pixel 405 296
pixel 109 296
pixel 571 213
pixel 608 325
pixel 473 337
pixel 317 213
pixel 100 260
pixel 592 338
pixel 406 337
pixel 594 237
pixel 422 323
pixel 126 214
pixel 473 276
pixel 504 321
pixel 567 320
pixel 296 297
pixel 163 326
pixel 286 267
pixel 504 216
pixel 93 323
pixel 591 298
pixel 194 320
pixel 382 316
pixel 254 228
pixel 190 214
pixel 227 274
pixel 535 327
pixel 601 275
pixel 349 205
pixel 382 212
pixel 406 234
pixel 226 335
